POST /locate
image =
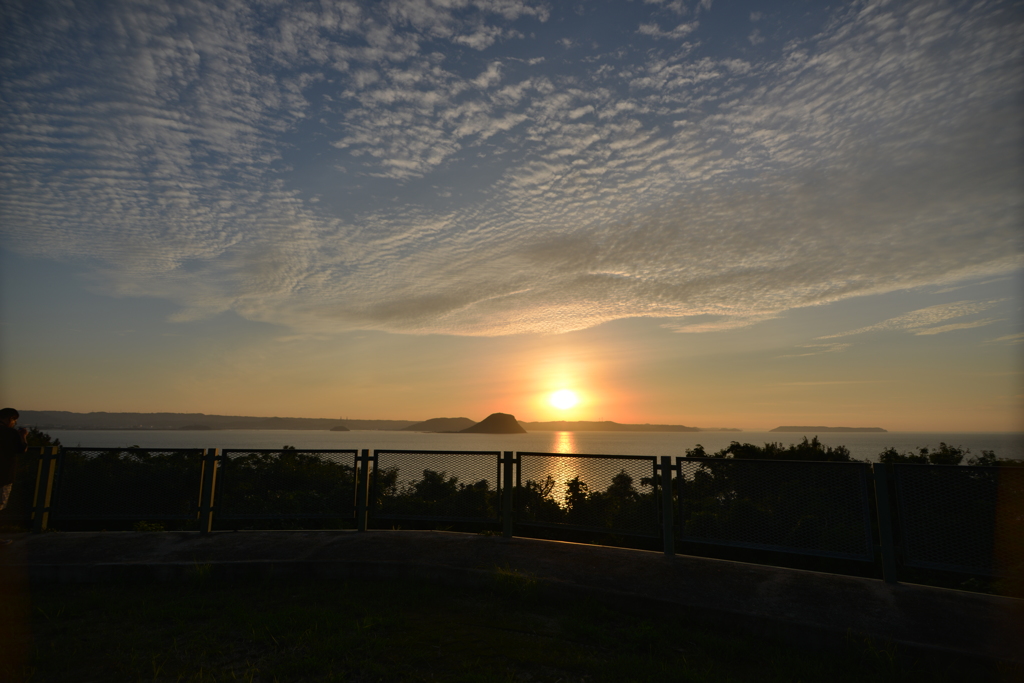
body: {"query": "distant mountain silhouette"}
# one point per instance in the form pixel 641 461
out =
pixel 441 424
pixel 828 429
pixel 378 425
pixel 605 426
pixel 496 423
pixel 61 419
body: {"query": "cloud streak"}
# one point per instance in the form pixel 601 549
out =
pixel 818 349
pixel 924 321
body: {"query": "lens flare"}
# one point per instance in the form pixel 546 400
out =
pixel 564 399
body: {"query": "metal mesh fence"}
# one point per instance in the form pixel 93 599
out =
pixel 602 493
pixel 127 484
pixel 287 484
pixel 436 485
pixel 961 518
pixel 812 508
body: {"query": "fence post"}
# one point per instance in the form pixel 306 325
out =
pixel 207 490
pixel 43 494
pixel 362 489
pixel 884 513
pixel 667 516
pixel 506 494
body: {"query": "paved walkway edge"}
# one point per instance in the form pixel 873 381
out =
pixel 805 608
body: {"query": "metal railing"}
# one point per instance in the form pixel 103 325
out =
pixel 160 484
pixel 612 494
pixel 965 519
pixel 21 504
pixel 275 487
pixel 809 508
pixel 961 519
pixel 436 486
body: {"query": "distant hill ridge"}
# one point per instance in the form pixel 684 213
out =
pixel 604 426
pixel 441 424
pixel 829 429
pixel 61 419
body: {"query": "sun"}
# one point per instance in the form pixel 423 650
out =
pixel 564 399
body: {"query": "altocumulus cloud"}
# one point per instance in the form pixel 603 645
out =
pixel 495 182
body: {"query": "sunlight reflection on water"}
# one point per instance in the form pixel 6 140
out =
pixel 596 474
pixel 562 470
pixel 565 442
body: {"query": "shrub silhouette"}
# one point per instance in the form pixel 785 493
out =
pixel 436 495
pixel 789 504
pixel 286 482
pixel 128 482
pixel 620 508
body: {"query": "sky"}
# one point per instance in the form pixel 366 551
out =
pixel 710 213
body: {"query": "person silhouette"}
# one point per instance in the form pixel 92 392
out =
pixel 13 442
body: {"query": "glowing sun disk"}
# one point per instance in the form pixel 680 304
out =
pixel 564 399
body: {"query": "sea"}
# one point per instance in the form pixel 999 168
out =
pixel 862 445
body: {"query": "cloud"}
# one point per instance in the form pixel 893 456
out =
pixel 721 324
pixel 489 77
pixel 818 349
pixel 919 321
pixel 1009 339
pixel 836 382
pixel 479 39
pixel 676 6
pixel 489 193
pixel 956 326
pixel 680 31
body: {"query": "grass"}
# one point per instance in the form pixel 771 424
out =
pixel 368 631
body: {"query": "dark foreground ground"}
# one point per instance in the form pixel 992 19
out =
pixel 401 605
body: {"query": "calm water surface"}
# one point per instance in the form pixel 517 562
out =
pixel 863 446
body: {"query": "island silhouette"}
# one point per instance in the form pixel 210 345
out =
pixel 496 423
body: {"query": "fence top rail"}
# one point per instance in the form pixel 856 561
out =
pixel 133 449
pixel 681 459
pixel 347 451
pixel 378 451
pixel 963 468
pixel 648 458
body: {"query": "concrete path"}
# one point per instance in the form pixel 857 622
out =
pixel 801 606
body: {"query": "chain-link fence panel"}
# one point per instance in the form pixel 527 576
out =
pixel 141 484
pixel 442 486
pixel 265 486
pixel 958 518
pixel 600 493
pixel 811 508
